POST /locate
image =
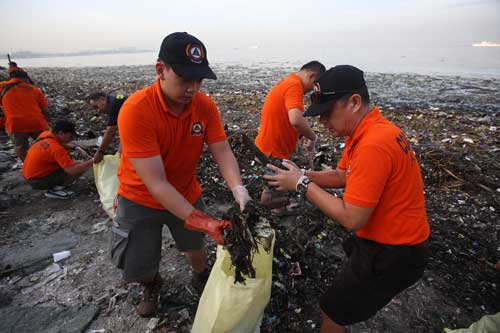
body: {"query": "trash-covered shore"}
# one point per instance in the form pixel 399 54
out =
pixel 451 122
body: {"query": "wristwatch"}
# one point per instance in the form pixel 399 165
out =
pixel 302 185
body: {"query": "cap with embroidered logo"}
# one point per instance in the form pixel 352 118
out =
pixel 186 55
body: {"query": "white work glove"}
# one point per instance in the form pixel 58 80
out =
pixel 241 196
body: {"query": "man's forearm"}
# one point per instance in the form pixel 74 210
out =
pixel 304 129
pixel 108 137
pixel 228 166
pixel 171 199
pixel 326 179
pixel 79 167
pixel 331 206
pixel 152 173
pixel 230 171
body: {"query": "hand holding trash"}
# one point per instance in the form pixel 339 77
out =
pixel 199 221
pixel 309 144
pixel 285 179
pixel 241 196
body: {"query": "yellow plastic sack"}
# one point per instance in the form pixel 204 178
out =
pixel 226 306
pixel 487 324
pixel 106 181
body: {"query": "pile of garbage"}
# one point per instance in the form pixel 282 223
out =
pixel 455 138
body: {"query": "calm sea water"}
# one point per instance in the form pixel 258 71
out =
pixel 466 61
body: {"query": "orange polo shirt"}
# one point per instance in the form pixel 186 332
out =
pixel 22 106
pixel 276 136
pixel 148 128
pixel 45 156
pixel 383 173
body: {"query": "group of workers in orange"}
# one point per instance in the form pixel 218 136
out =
pixel 163 129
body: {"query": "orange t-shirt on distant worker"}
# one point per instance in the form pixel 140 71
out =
pixel 45 156
pixel 382 172
pixel 276 136
pixel 22 106
pixel 148 128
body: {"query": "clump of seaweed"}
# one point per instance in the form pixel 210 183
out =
pixel 242 240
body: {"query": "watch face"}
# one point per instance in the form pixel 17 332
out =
pixel 302 186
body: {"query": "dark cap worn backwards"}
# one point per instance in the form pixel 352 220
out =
pixel 333 84
pixel 186 55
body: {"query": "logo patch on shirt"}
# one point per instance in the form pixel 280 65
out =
pixel 195 53
pixel 197 129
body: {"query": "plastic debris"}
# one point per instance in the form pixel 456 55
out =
pixel 61 255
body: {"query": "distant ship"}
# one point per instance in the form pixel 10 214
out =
pixel 486 43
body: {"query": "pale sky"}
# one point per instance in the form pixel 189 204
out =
pixel 57 26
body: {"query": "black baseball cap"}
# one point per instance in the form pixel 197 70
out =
pixel 333 84
pixel 187 56
pixel 65 126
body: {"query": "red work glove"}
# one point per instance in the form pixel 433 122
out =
pixel 199 221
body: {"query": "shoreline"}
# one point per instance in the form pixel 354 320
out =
pixel 270 65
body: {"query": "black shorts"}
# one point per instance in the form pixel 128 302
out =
pixel 56 178
pixel 136 237
pixel 374 274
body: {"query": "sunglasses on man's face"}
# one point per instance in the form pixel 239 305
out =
pixel 316 95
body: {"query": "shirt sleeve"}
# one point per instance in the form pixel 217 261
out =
pixel 137 132
pixel 61 156
pixel 342 163
pixel 214 129
pixel 113 114
pixel 294 98
pixel 370 168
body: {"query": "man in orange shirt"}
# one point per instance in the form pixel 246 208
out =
pixel 163 129
pixel 383 200
pixel 281 120
pixel 25 109
pixel 13 68
pixel 48 165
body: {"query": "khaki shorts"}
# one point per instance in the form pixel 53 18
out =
pixel 136 238
pixel 20 140
pixel 56 178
